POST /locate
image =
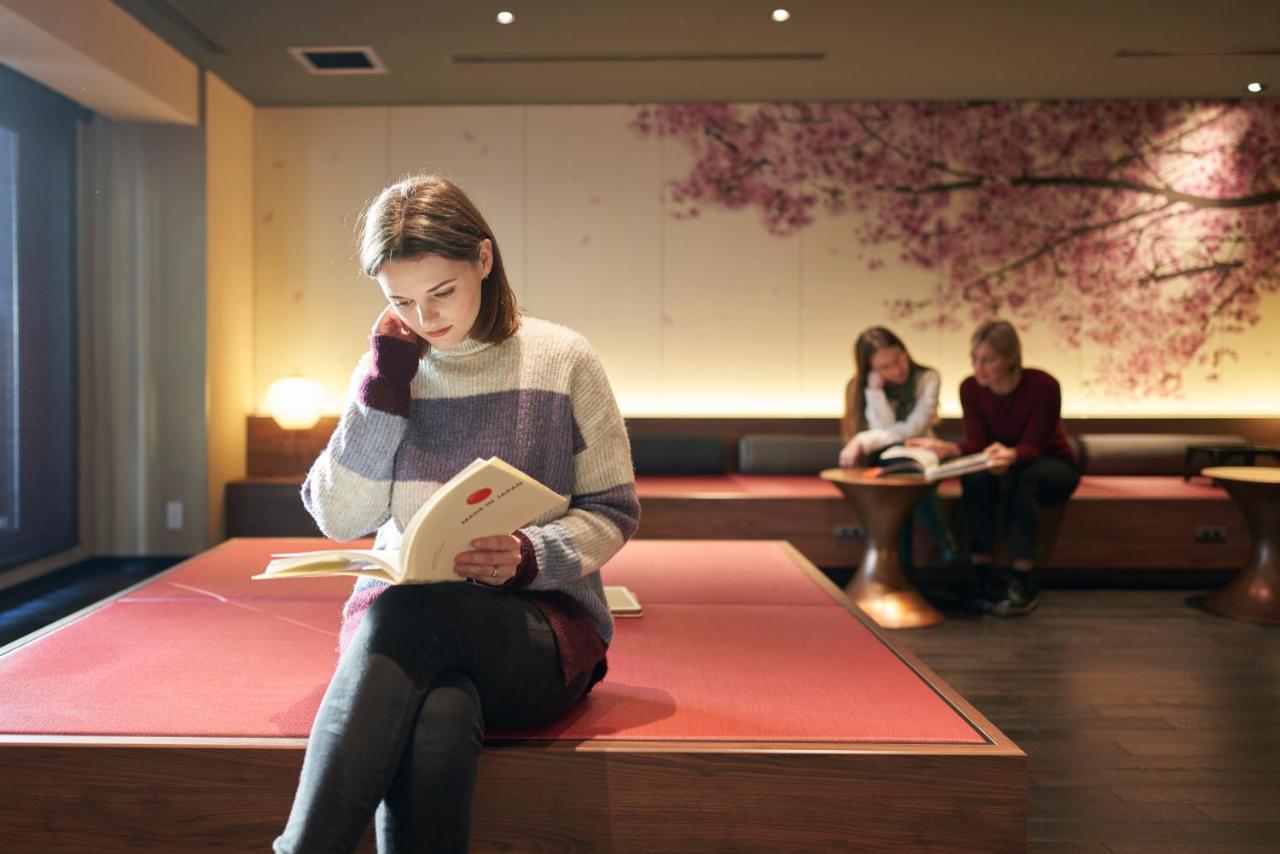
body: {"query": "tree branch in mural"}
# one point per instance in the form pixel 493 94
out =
pixel 1146 228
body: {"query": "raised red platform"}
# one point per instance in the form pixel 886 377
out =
pixel 748 706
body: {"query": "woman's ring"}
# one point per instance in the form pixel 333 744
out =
pixel 494 574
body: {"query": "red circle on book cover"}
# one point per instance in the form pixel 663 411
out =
pixel 479 495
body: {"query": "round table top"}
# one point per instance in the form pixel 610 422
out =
pixel 856 476
pixel 1245 474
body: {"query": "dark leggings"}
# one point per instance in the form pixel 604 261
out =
pixel 1017 495
pixel 401 725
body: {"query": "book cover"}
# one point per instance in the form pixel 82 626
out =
pixel 487 498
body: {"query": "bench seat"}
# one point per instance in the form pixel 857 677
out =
pixel 1140 523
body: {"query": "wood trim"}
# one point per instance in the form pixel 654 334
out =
pixel 273 451
pixel 236 799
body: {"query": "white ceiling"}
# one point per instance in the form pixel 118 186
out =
pixel 600 51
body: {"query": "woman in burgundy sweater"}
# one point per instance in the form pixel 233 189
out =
pixel 1014 415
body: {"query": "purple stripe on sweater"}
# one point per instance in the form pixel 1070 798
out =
pixel 619 505
pixel 560 561
pixel 531 429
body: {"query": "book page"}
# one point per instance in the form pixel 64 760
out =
pixel 383 565
pixel 487 498
pixel 926 458
pixel 960 465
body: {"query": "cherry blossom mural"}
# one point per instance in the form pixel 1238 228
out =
pixel 1149 229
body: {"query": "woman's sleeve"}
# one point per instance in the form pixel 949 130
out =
pixel 603 510
pixel 1043 423
pixel 348 489
pixel 886 430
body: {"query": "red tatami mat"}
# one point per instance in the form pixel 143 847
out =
pixel 226 572
pixel 731 647
pixel 712 572
pixel 759 673
pixel 174 668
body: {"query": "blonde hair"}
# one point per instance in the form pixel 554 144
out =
pixel 1000 336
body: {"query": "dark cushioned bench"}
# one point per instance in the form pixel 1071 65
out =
pixel 751 708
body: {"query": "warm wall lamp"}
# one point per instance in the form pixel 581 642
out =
pixel 295 402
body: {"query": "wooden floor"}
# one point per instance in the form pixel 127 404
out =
pixel 1149 725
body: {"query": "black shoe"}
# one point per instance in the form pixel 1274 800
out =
pixel 1019 600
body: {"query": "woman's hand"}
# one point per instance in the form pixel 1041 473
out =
pixel 1001 457
pixel 850 453
pixel 389 323
pixel 492 561
pixel 874 380
pixel 944 449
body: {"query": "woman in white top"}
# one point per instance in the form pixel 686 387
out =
pixel 889 400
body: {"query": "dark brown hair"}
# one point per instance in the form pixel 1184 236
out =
pixel 870 342
pixel 428 215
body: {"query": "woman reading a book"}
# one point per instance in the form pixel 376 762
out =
pixel 889 400
pixel 453 373
pixel 1014 415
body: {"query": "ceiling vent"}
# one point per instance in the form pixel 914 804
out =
pixel 342 59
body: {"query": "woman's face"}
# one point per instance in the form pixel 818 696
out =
pixel 892 364
pixel 989 367
pixel 437 297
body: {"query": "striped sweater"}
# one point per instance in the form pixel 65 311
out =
pixel 539 400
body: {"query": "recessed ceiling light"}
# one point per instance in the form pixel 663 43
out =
pixel 781 15
pixel 505 17
pixel 1255 87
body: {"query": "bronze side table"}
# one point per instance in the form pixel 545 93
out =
pixel 879 587
pixel 1254 594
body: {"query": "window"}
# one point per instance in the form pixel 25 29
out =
pixel 9 447
pixel 38 430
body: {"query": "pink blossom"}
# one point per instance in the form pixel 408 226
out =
pixel 1141 228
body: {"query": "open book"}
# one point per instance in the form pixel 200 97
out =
pixel 487 498
pixel 907 459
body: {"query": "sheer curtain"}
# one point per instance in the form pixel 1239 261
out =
pixel 142 284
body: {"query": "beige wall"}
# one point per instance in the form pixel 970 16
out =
pixel 99 56
pixel 706 315
pixel 229 287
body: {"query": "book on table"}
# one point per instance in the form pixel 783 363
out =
pixel 907 459
pixel 487 498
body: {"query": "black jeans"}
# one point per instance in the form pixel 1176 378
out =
pixel 401 725
pixel 1017 495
